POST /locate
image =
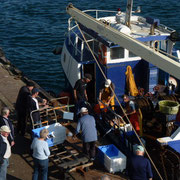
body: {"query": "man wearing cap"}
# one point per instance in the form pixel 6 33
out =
pixel 4 120
pixel 106 94
pixel 87 126
pixel 21 106
pixel 80 93
pixel 5 151
pixel 139 167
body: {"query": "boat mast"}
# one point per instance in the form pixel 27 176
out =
pixel 161 61
pixel 128 13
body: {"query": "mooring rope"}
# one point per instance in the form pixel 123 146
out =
pixel 118 101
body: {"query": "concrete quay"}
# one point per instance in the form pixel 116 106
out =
pixel 21 163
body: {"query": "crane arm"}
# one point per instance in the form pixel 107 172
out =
pixel 161 61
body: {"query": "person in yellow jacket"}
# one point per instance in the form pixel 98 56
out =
pixel 106 95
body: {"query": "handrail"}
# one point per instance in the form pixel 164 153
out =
pixel 39 110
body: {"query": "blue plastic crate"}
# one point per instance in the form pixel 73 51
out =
pixel 111 158
pixel 36 134
pixel 110 150
pixel 57 131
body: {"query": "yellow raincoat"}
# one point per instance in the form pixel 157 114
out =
pixel 106 95
pixel 131 85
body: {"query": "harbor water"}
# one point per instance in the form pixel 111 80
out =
pixel 31 29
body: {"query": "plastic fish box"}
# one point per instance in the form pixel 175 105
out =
pixel 57 133
pixel 113 159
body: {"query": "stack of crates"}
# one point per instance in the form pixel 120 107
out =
pixel 57 133
pixel 112 159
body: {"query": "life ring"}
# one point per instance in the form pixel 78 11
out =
pixel 156 45
pixel 102 54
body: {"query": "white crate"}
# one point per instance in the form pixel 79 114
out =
pixel 116 163
pixel 113 159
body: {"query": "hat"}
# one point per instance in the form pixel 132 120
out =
pixel 139 148
pixel 5 129
pixel 107 83
pixel 83 110
pixel 35 90
pixel 30 83
pixel 88 76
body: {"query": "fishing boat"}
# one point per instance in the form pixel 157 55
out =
pixel 114 54
pixel 107 43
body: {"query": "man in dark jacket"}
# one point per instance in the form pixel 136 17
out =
pixel 5 151
pixel 4 120
pixel 139 167
pixel 21 107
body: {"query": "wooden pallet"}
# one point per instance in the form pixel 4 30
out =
pixel 67 158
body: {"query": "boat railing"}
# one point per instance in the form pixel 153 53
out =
pixel 165 28
pixel 43 113
pixel 97 12
pixel 75 43
pixel 77 38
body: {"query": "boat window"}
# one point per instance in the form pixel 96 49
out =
pixel 132 54
pixel 117 52
pixel 94 45
pixel 163 45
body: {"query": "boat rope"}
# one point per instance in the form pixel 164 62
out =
pixel 118 100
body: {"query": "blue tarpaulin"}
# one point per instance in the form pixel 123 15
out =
pixel 175 145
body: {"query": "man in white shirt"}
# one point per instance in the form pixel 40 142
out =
pixel 5 151
pixel 33 105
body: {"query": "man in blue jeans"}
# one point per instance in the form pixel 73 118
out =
pixel 40 155
pixel 5 151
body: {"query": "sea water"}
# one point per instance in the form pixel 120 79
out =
pixel 31 29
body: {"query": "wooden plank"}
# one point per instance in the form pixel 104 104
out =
pixel 81 166
pixel 71 155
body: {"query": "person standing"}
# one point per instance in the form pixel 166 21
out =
pixel 5 151
pixel 106 94
pixel 21 107
pixel 40 155
pixel 4 120
pixel 80 94
pixel 87 126
pixel 131 111
pixel 139 167
pixel 33 104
